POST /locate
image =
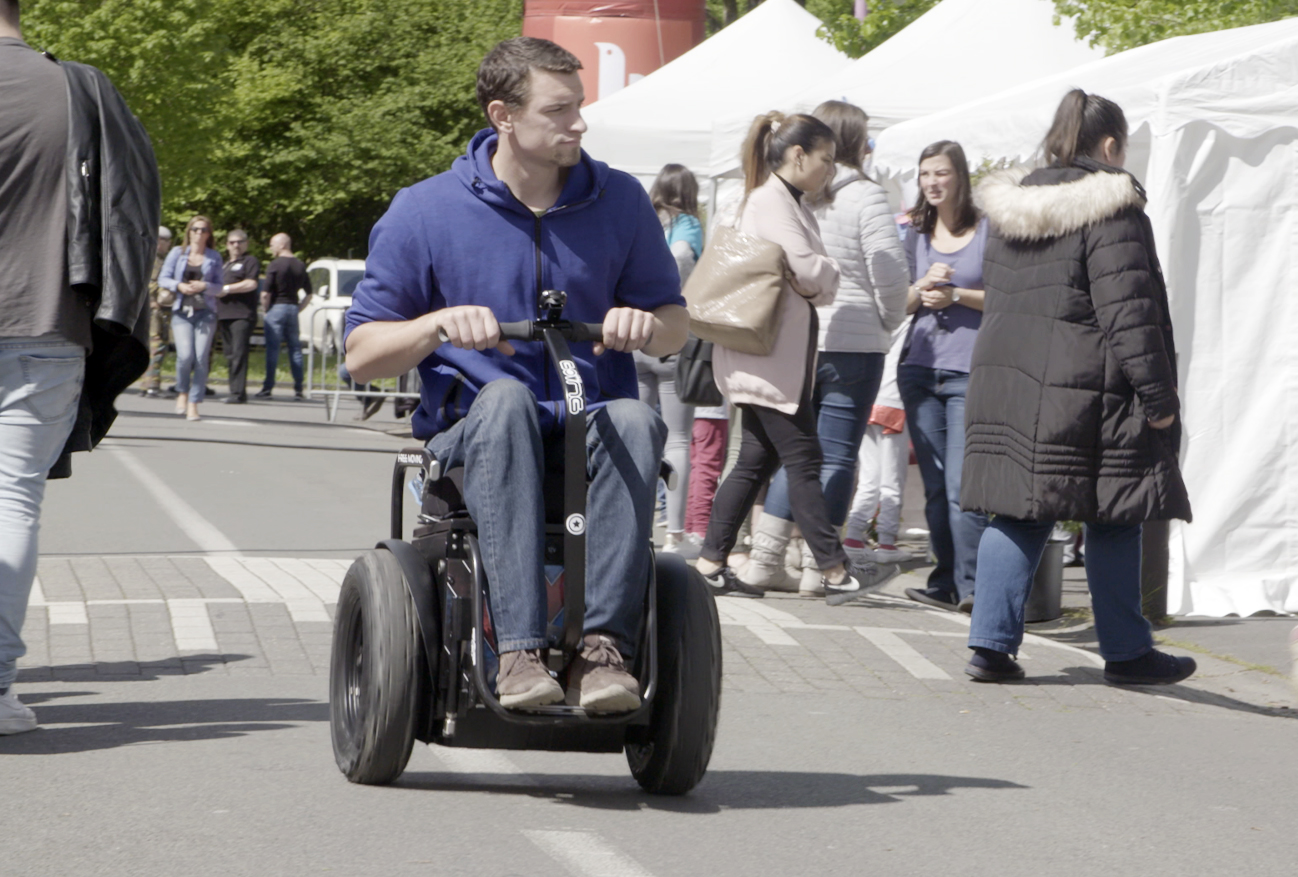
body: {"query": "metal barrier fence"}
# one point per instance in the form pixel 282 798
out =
pixel 327 376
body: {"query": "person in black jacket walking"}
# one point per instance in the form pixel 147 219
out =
pixel 79 211
pixel 1072 406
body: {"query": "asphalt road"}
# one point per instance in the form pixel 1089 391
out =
pixel 179 647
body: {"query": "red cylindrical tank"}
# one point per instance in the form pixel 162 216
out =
pixel 618 41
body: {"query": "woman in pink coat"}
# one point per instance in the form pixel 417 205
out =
pixel 784 158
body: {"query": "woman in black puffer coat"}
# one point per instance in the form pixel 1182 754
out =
pixel 1072 405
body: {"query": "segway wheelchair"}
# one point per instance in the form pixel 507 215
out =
pixel 413 648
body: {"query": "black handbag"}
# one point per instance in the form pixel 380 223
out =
pixel 694 382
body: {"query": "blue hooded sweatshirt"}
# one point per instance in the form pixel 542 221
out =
pixel 462 238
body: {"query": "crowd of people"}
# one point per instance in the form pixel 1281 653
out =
pixel 1018 334
pixel 196 296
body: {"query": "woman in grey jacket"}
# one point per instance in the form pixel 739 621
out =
pixel 860 234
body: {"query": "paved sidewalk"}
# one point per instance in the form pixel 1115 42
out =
pixel 103 618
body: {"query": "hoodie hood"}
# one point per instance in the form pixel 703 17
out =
pixel 1055 201
pixel 844 176
pixel 586 180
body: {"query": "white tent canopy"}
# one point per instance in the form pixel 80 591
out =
pixel 1214 122
pixel 668 115
pixel 956 52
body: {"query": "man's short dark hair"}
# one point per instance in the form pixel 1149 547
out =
pixel 506 73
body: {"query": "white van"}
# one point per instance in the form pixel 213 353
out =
pixel 332 283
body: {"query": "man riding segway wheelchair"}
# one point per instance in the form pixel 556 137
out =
pixel 419 624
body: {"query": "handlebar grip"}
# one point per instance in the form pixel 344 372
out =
pixel 525 330
pixel 517 331
pixel 587 332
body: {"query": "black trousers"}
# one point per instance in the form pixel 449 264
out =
pixel 236 335
pixel 772 438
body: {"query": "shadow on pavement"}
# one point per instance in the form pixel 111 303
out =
pixel 100 726
pixel 119 671
pixel 1095 676
pixel 720 789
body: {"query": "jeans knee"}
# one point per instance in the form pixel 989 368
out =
pixel 635 421
pixel 503 405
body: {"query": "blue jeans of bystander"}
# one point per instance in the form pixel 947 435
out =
pixel 193 337
pixel 40 386
pixel 1007 560
pixel 934 400
pixel 281 327
pixel 846 385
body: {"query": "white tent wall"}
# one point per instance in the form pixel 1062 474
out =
pixel 1214 137
pixel 1226 213
pixel 747 68
pixel 985 46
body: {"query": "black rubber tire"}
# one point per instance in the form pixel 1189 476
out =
pixel 375 679
pixel 683 727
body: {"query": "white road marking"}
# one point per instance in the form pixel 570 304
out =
pixel 764 622
pixel 302 602
pixel 903 653
pixel 586 854
pixel 476 761
pixel 199 529
pixel 67 613
pixel 254 590
pixel 964 620
pixel 37 595
pixel 191 626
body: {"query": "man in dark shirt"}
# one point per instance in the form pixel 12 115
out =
pixel 285 279
pixel 236 311
pixel 45 324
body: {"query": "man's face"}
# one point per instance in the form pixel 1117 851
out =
pixel 549 126
pixel 236 246
pixel 164 244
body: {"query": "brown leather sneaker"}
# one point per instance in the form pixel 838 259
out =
pixel 598 680
pixel 524 681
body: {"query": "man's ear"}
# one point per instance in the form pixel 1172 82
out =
pixel 500 116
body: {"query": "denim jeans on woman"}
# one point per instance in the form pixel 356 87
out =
pixel 503 453
pixel 658 390
pixel 40 386
pixel 193 336
pixel 846 385
pixel 282 326
pixel 934 400
pixel 1007 560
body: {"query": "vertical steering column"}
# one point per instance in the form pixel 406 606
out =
pixel 574 491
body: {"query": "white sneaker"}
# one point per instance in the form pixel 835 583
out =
pixel 14 717
pixel 859 582
pixel 687 545
pixel 892 554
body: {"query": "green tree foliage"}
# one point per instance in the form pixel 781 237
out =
pixel 1118 25
pixel 168 57
pixel 853 37
pixel 280 115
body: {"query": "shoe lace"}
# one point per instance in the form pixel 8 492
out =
pixel 603 653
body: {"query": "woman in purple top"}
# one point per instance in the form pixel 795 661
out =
pixel 945 251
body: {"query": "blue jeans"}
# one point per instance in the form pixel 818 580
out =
pixel 934 400
pixel 193 337
pixel 846 385
pixel 504 455
pixel 40 386
pixel 281 326
pixel 1007 560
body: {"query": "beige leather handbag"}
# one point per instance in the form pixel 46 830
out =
pixel 733 293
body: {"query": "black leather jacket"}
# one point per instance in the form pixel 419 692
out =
pixel 114 209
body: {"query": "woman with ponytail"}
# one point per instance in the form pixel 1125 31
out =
pixel 1073 408
pixel 786 160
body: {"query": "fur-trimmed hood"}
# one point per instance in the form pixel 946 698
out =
pixel 1052 202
